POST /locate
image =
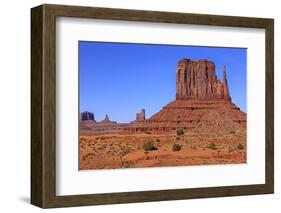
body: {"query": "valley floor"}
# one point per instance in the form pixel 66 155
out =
pixel 113 151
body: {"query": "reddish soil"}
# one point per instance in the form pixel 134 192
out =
pixel 112 151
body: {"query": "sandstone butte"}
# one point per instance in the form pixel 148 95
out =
pixel 203 103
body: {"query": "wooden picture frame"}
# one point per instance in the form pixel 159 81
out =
pixel 43 105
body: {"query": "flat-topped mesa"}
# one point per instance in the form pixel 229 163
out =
pixel 86 116
pixel 140 116
pixel 198 80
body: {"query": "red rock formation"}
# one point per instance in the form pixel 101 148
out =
pixel 198 80
pixel 87 116
pixel 140 116
pixel 107 121
pixel 196 114
pixel 203 102
pixel 88 127
pixel 225 86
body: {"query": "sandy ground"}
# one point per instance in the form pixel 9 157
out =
pixel 114 151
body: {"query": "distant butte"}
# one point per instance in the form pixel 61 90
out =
pixel 198 80
pixel 85 116
pixel 107 121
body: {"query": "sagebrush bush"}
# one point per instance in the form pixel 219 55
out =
pixel 212 146
pixel 148 145
pixel 176 147
pixel 240 146
pixel 180 132
pixel 230 149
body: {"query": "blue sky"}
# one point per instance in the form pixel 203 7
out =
pixel 121 79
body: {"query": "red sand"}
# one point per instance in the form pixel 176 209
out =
pixel 126 151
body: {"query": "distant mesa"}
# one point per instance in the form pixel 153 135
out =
pixel 88 126
pixel 86 116
pixel 203 103
pixel 140 116
pixel 107 121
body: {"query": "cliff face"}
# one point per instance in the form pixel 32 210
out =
pixel 198 80
pixel 84 116
pixel 140 116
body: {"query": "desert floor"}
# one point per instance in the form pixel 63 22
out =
pixel 114 151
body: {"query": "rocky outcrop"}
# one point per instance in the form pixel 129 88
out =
pixel 88 127
pixel 140 116
pixel 198 80
pixel 107 121
pixel 203 102
pixel 85 116
pixel 196 115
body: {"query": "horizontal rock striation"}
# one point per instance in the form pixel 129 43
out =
pixel 195 115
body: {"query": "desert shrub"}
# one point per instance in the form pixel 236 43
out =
pixel 158 140
pixel 204 162
pixel 126 150
pixel 148 145
pixel 180 132
pixel 88 155
pixel 240 146
pixel 212 146
pixel 194 147
pixel 176 147
pixel 147 132
pixel 125 165
pixel 232 132
pixel 230 149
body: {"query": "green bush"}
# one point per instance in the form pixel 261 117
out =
pixel 148 146
pixel 180 132
pixel 176 147
pixel 232 132
pixel 212 146
pixel 240 146
pixel 158 140
pixel 230 149
pixel 149 133
pixel 125 165
pixel 194 147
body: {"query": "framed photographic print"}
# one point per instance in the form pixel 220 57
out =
pixel 136 106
